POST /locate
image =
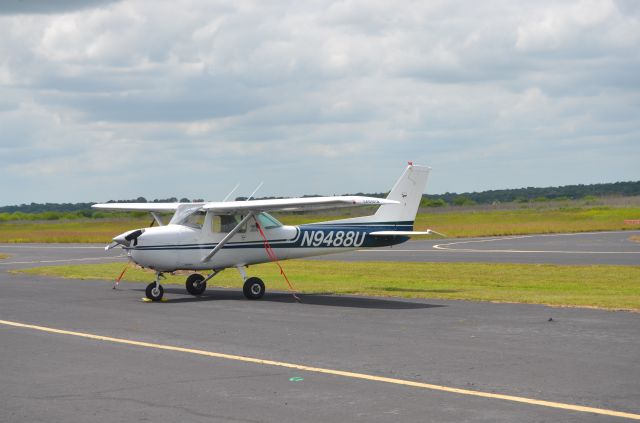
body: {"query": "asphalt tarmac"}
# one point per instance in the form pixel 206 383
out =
pixel 615 248
pixel 102 355
pixel 581 248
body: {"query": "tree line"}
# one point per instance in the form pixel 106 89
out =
pixel 53 211
pixel 530 194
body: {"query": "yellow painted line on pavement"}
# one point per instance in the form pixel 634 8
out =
pixel 352 375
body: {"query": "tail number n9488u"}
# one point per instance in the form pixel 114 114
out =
pixel 332 238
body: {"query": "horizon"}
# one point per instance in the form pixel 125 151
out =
pixel 194 199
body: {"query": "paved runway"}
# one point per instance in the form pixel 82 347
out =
pixel 581 357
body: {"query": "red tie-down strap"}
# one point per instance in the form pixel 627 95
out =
pixel 117 281
pixel 272 256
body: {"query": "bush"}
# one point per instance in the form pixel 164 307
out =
pixel 463 201
pixel 437 203
pixel 426 202
pixel 50 216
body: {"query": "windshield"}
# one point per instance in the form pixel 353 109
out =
pixel 188 215
pixel 267 221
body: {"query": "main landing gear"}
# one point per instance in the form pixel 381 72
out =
pixel 253 288
pixel 196 283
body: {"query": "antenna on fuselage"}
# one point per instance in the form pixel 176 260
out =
pixel 231 192
pixel 255 190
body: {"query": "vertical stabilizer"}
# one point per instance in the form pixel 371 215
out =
pixel 408 191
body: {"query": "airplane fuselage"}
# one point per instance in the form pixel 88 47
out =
pixel 174 247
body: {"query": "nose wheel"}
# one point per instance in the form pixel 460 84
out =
pixel 154 291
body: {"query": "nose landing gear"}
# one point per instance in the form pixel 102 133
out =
pixel 154 290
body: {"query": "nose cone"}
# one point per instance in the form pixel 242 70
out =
pixel 126 239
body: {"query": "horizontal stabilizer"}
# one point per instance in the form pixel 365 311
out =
pixel 405 233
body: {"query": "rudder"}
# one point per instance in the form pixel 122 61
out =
pixel 408 191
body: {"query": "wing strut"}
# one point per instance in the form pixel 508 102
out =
pixel 226 239
pixel 157 218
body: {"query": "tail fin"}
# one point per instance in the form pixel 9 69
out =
pixel 408 191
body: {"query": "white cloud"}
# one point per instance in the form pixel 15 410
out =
pixel 146 98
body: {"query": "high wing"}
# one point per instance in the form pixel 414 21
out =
pixel 283 204
pixel 291 204
pixel 150 207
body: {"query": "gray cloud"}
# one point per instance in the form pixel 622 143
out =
pixel 14 7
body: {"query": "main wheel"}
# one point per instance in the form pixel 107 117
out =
pixel 253 288
pixel 154 293
pixel 195 284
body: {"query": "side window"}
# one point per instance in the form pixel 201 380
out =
pixel 226 223
pixel 267 221
pixel 215 224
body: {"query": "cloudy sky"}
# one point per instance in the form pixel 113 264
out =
pixel 108 100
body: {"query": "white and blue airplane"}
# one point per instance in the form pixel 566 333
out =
pixel 213 236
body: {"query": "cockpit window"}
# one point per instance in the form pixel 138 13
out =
pixel 183 214
pixel 267 221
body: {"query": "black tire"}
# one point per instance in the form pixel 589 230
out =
pixel 194 284
pixel 154 294
pixel 253 288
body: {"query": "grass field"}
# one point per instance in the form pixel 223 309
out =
pixel 81 230
pixel 610 287
pixel 465 223
pixel 477 223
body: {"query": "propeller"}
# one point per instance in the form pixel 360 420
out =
pixel 126 240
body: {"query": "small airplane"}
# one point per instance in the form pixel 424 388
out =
pixel 213 236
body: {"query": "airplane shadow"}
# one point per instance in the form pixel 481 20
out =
pixel 321 299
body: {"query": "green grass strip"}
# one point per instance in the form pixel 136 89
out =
pixel 610 287
pixel 455 224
